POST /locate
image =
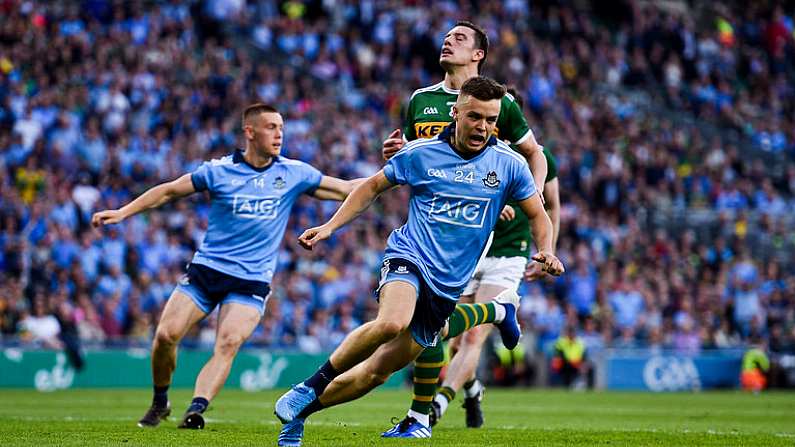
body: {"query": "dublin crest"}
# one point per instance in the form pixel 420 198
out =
pixel 491 180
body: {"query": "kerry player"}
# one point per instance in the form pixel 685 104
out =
pixel 429 111
pixel 460 182
pixel 251 192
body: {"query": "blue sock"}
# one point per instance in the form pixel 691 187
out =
pixel 160 398
pixel 320 380
pixel 198 404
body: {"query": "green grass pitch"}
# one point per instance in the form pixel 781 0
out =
pixel 514 417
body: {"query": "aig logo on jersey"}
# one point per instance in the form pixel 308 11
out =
pixel 253 207
pixel 463 211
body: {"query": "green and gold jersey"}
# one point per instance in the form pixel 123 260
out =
pixel 430 110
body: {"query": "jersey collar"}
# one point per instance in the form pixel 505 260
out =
pixel 237 157
pixel 447 133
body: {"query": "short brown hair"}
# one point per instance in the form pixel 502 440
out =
pixel 481 40
pixel 482 88
pixel 257 108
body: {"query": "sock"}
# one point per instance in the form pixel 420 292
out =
pixel 499 313
pixel 467 316
pixel 314 407
pixel 444 397
pixel 472 388
pixel 198 404
pixel 426 375
pixel 160 398
pixel 320 380
pixel 423 419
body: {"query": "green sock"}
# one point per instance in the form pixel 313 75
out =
pixel 426 375
pixel 448 393
pixel 467 316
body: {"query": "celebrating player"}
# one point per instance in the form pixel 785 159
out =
pixel 463 54
pixel 252 193
pixel 459 182
pixel 501 269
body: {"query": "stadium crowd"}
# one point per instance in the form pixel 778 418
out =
pixel 675 235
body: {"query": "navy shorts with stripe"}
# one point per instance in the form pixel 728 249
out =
pixel 431 311
pixel 209 288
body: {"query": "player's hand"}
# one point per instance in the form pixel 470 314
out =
pixel 507 213
pixel 549 263
pixel 392 144
pixel 534 272
pixel 106 217
pixel 314 235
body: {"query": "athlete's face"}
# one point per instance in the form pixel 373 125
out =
pixel 459 48
pixel 264 133
pixel 475 121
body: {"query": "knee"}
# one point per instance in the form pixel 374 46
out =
pixel 228 344
pixel 165 337
pixel 389 329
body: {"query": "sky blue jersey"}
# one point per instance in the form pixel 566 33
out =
pixel 249 211
pixel 455 203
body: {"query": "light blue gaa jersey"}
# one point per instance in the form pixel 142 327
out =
pixel 454 205
pixel 249 211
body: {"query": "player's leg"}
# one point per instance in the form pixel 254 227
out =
pixel 359 380
pixel 500 278
pixel 180 313
pixel 236 322
pixel 396 306
pixel 463 366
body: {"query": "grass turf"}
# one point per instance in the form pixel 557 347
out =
pixel 513 417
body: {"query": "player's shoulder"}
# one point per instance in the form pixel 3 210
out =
pixel 504 152
pixel 409 147
pixel 508 98
pixel 431 89
pixel 222 161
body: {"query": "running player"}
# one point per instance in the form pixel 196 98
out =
pixel 459 182
pixel 252 192
pixel 502 269
pixel 463 54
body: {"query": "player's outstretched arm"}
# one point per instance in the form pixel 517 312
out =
pixel 541 227
pixel 152 198
pixel 332 188
pixel 359 200
pixel 534 154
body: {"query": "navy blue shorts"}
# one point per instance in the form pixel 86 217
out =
pixel 431 311
pixel 208 288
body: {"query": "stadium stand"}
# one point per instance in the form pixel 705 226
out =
pixel 674 127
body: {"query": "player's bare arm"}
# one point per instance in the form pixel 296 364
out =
pixel 332 188
pixel 541 227
pixel 534 154
pixel 152 198
pixel 552 204
pixel 358 201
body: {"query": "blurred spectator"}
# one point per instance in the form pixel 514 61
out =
pixel 674 134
